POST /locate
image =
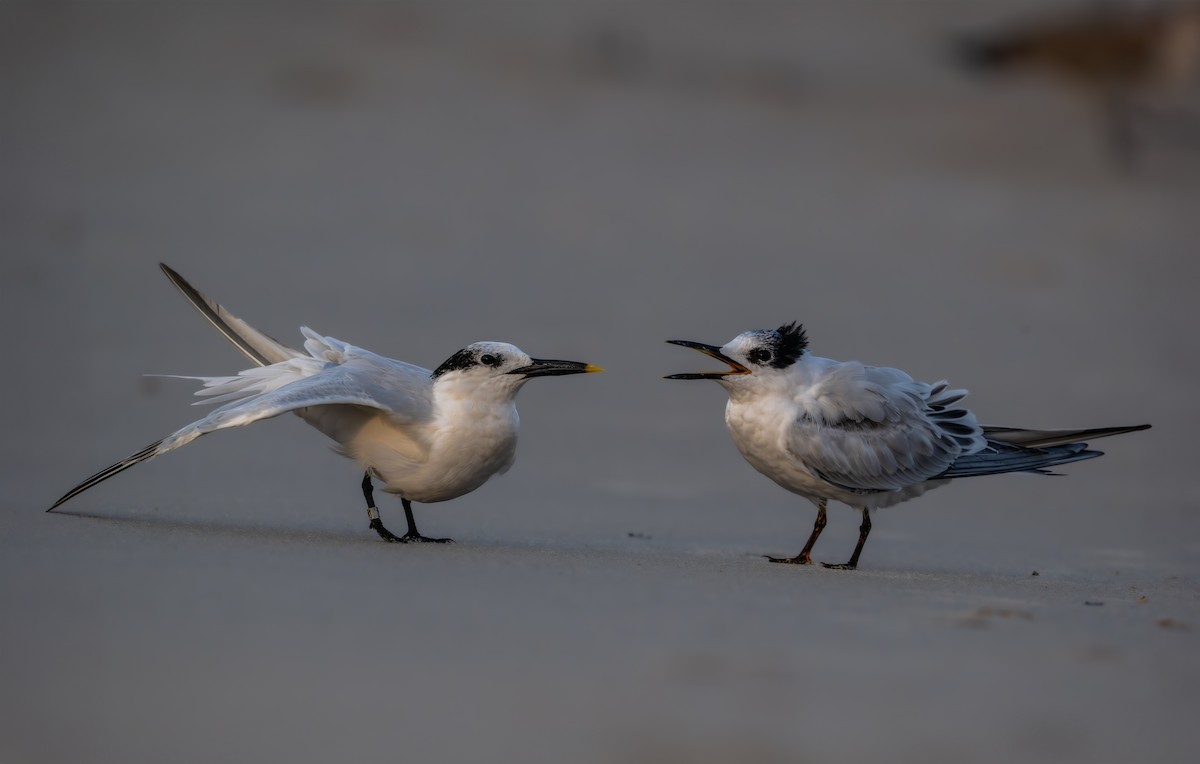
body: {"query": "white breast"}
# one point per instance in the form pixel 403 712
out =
pixel 759 431
pixel 451 456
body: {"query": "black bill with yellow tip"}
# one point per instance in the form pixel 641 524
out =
pixel 542 367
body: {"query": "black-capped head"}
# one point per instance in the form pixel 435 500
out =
pixel 777 348
pixel 481 360
pixel 759 349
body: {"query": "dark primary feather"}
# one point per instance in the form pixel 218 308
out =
pixel 108 472
pixel 1019 436
pixel 267 351
pixel 1015 449
pixel 228 325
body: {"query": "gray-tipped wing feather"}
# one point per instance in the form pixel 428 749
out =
pixel 258 347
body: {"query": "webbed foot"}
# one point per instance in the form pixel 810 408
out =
pixel 412 537
pixel 800 559
pixel 843 566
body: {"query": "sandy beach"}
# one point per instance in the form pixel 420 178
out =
pixel 585 180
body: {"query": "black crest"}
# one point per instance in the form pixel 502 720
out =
pixel 463 359
pixel 791 344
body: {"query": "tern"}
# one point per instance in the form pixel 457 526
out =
pixel 428 436
pixel 866 436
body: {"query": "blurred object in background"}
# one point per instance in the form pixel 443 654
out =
pixel 1141 64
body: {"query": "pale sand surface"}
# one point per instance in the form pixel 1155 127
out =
pixel 586 181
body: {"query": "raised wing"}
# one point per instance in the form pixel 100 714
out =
pixel 330 394
pixel 256 345
pixel 401 390
pixel 340 385
pixel 868 429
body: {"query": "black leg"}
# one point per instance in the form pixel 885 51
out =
pixel 377 525
pixel 805 558
pixel 368 491
pixel 863 531
pixel 412 534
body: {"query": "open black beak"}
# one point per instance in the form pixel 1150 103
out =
pixel 714 352
pixel 544 368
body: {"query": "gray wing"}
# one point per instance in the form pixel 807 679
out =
pixel 999 458
pixel 401 392
pixel 334 369
pixel 868 430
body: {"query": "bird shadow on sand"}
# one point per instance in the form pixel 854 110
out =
pixel 194 526
pixel 539 549
pixel 365 538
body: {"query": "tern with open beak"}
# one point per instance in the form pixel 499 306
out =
pixel 866 436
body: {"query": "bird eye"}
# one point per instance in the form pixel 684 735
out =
pixel 487 359
pixel 759 356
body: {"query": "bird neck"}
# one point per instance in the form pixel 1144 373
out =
pixel 467 395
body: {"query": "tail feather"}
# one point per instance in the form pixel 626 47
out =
pixel 1019 436
pixel 257 346
pixel 104 474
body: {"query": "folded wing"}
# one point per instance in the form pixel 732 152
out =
pixel 867 429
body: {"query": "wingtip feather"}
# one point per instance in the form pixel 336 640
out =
pixel 259 347
pixel 104 474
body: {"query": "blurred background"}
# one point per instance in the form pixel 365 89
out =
pixel 1002 193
